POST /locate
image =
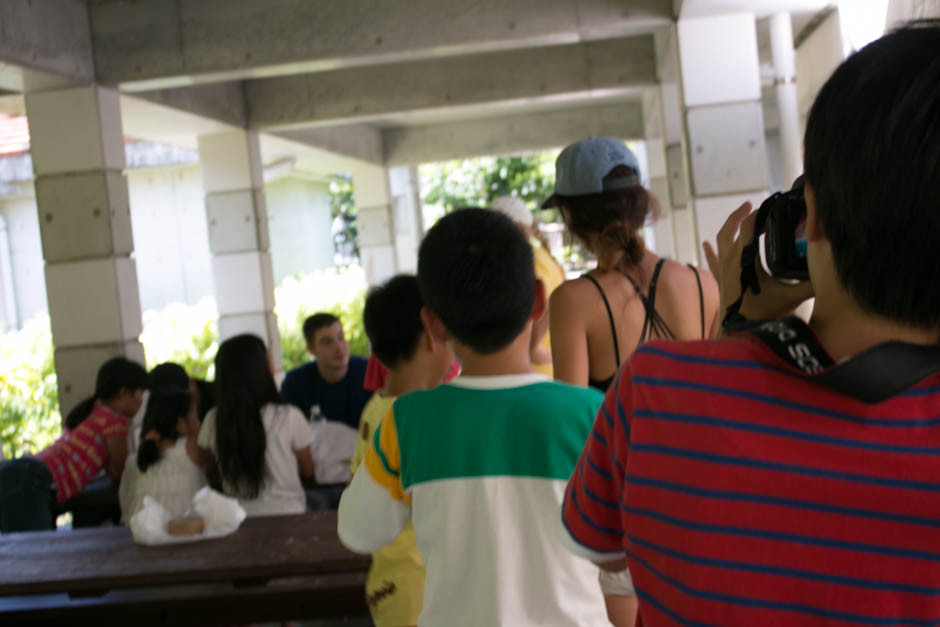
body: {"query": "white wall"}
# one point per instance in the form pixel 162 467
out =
pixel 29 281
pixel 299 224
pixel 816 58
pixel 171 246
pixel 170 236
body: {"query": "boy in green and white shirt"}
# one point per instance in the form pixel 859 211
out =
pixel 479 465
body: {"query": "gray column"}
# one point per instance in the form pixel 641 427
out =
pixel 667 149
pixel 723 117
pixel 784 58
pixel 77 148
pixel 375 221
pixel 238 237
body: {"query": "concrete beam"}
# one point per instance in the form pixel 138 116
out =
pixel 510 134
pixel 149 44
pixel 44 44
pixel 371 92
pixel 355 141
pixel 222 102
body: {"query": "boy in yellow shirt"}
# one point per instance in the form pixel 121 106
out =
pixel 415 361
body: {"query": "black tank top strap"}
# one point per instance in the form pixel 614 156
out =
pixel 701 298
pixel 610 317
pixel 654 325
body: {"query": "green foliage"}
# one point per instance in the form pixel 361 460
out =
pixel 186 334
pixel 448 185
pixel 29 397
pixel 343 210
pixel 340 291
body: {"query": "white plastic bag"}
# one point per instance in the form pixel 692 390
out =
pixel 332 451
pixel 222 516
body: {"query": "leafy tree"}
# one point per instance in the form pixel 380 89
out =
pixel 29 396
pixel 448 185
pixel 343 211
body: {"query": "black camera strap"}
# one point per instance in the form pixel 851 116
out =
pixel 874 375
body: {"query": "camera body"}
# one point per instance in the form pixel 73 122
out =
pixel 785 233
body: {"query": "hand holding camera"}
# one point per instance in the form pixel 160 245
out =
pixel 737 250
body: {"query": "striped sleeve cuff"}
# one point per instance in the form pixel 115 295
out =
pixel 573 546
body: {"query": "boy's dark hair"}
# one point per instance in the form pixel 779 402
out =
pixel 206 397
pixel 316 322
pixel 476 273
pixel 872 155
pixel 392 318
pixel 168 375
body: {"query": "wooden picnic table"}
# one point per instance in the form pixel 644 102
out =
pixel 284 559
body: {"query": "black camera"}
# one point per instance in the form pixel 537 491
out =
pixel 785 233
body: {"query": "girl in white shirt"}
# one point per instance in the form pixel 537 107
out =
pixel 261 443
pixel 167 466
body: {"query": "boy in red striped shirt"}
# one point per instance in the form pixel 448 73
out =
pixel 740 491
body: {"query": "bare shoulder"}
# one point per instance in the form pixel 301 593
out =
pixel 683 276
pixel 571 292
pixel 568 298
pixel 679 283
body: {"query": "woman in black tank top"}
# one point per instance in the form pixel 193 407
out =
pixel 598 192
pixel 603 204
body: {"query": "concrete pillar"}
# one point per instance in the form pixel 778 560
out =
pixel 232 179
pixel 723 118
pixel 375 222
pixel 77 148
pixel 673 148
pixel 407 219
pixel 659 237
pixel 10 318
pixel 784 59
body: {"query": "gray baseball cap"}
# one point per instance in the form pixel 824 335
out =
pixel 581 167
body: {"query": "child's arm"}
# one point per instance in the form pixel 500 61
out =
pixel 375 508
pixel 305 462
pixel 117 455
pixel 202 457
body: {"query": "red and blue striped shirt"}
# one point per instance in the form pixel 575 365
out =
pixel 743 494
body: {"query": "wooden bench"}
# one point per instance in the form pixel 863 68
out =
pixel 272 568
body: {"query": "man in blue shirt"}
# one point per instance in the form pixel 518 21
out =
pixel 333 381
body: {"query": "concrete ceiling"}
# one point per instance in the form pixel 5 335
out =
pixel 760 8
pixel 482 111
pixel 149 44
pixel 341 79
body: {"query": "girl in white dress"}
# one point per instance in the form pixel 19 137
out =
pixel 167 467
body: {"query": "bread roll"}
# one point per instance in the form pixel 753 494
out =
pixel 186 526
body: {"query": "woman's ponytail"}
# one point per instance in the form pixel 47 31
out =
pixel 148 454
pixel 165 407
pixel 611 221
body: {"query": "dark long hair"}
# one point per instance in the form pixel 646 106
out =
pixel 164 409
pixel 113 376
pixel 614 218
pixel 244 385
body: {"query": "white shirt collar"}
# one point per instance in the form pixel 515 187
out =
pixel 500 381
